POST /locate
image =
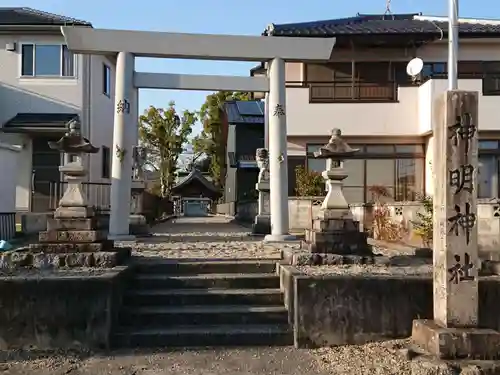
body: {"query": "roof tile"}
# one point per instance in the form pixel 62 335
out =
pixel 380 25
pixel 21 16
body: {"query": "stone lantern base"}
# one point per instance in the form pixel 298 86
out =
pixel 335 231
pixel 262 222
pixel 337 236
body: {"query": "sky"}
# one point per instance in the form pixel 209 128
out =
pixel 226 17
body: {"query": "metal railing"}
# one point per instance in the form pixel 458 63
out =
pixel 343 91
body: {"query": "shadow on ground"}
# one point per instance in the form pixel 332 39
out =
pixel 192 361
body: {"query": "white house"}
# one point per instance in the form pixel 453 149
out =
pixel 42 87
pixel 364 90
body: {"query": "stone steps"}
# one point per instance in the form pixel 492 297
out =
pixel 210 280
pixel 189 267
pixel 172 297
pixel 205 336
pixel 171 316
pixel 203 303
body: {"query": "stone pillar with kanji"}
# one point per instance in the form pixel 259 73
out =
pixel 454 332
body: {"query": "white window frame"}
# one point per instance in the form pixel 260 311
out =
pixel 35 76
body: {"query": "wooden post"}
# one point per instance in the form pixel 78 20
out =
pixel 455 210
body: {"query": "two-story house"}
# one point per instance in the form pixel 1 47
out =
pixel 365 91
pixel 43 86
pixel 243 123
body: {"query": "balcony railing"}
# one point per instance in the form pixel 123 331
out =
pixel 351 91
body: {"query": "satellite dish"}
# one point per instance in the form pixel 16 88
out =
pixel 414 67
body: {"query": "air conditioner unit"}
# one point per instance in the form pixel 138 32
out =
pixel 10 47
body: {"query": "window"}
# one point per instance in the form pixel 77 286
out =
pixel 106 80
pixel 46 60
pixel 106 162
pixel 491 85
pixel 434 69
pixel 365 81
pixel 489 169
pixel 399 168
pixel 487 176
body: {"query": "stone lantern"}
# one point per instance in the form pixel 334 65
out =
pixel 334 230
pixel 75 228
pixel 262 223
pixel 73 203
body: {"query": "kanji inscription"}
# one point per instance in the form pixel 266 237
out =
pixel 123 106
pixel 462 178
pixel 463 130
pixel 460 272
pixel 464 220
pixel 279 110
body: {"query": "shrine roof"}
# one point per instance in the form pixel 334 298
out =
pixel 195 175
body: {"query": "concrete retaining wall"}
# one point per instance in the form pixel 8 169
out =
pixel 339 310
pixel 56 311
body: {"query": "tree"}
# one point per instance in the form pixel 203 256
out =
pixel 424 225
pixel 164 133
pixel 309 183
pixel 211 140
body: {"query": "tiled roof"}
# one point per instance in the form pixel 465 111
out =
pixel 28 122
pixel 380 24
pixel 251 113
pixel 20 16
pixel 196 175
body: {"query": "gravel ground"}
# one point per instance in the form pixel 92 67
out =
pixel 380 358
pixel 207 237
pixel 367 270
pixel 375 358
pixel 209 253
pixel 246 361
pixel 34 272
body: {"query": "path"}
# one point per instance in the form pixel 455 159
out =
pixel 215 237
pixel 246 361
pixel 221 225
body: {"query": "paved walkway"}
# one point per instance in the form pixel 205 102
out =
pixel 215 237
pixel 221 225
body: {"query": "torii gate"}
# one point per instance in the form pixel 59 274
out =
pixel 127 44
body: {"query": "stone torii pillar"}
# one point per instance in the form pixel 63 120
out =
pixel 124 139
pixel 278 163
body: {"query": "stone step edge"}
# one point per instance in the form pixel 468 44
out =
pixel 274 259
pixel 204 309
pixel 197 261
pixel 210 330
pixel 207 276
pixel 198 291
